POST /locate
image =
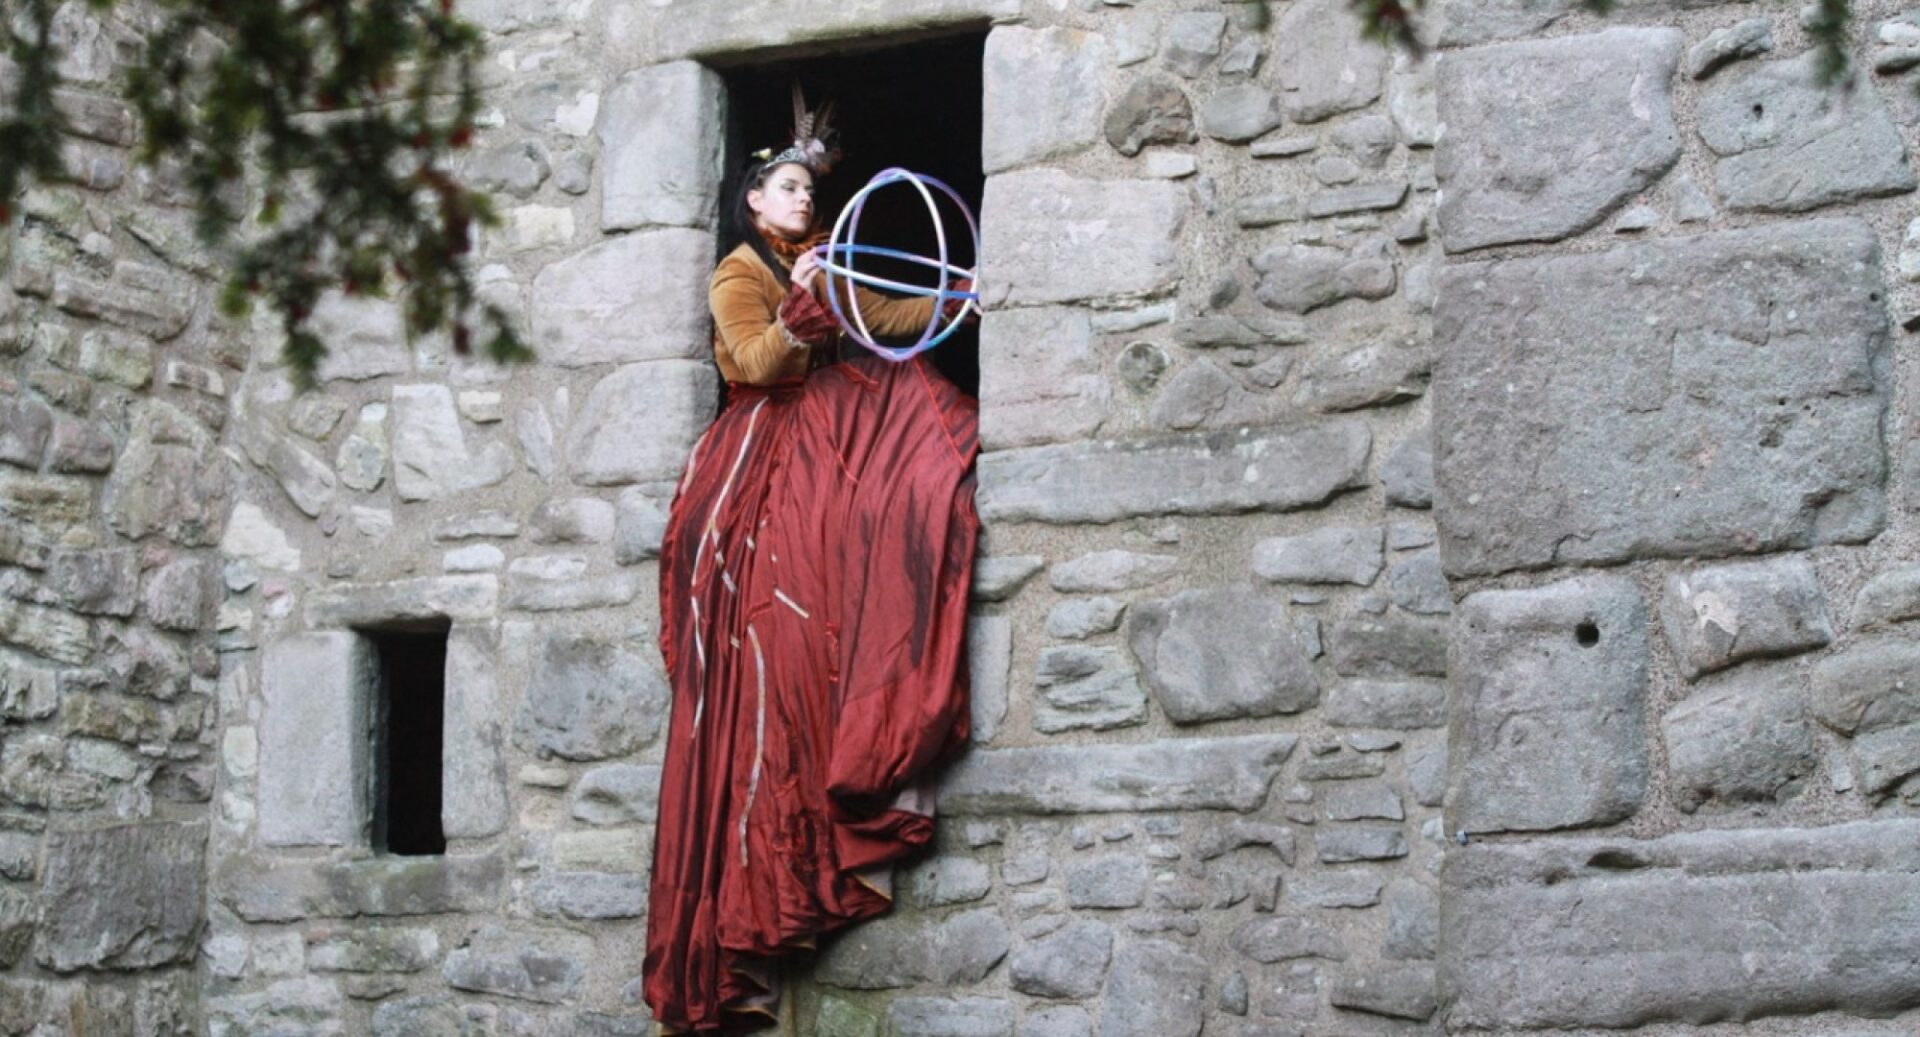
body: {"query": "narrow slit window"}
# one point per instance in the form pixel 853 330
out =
pixel 409 716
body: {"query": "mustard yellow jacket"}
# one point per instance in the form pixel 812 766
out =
pixel 745 299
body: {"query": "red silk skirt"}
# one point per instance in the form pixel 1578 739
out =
pixel 813 600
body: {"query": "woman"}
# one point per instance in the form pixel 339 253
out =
pixel 813 591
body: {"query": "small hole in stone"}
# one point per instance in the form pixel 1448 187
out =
pixel 1587 634
pixel 1759 110
pixel 1873 296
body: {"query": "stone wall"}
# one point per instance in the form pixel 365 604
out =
pixel 1230 628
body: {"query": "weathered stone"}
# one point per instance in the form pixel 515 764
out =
pixel 1418 585
pixel 1789 142
pixel 79 446
pixel 1551 686
pixel 1869 690
pixel 517 169
pixel 1237 114
pixel 1718 616
pixel 1338 888
pixel 308 1006
pixel 1220 655
pixel 1187 474
pixel 572 520
pixel 17 917
pixel 25 425
pixel 660 132
pixel 997 578
pixel 473 799
pixel 1400 991
pixel 617 794
pixel 1183 774
pixel 253 538
pixel 1744 739
pixel 365 338
pixel 1069 964
pixel 694 29
pixel 1156 989
pixel 171 481
pixel 1359 843
pixel 1389 646
pixel 375 949
pixel 316 691
pixel 1111 571
pixel 1284 938
pixel 1746 39
pixel 1393 705
pixel 1767 412
pixel 1331 554
pixel 640 422
pixel 1152 110
pixel 179 595
pixel 1427 775
pixel 1050 237
pixel 1223 838
pixel 1701 926
pixel 1086 688
pixel 27 692
pixel 591 699
pixel 949 1017
pixel 639 524
pixel 122 897
pixel 1040 379
pixel 541 965
pixel 1359 198
pixel 990 664
pixel 585 310
pixel 589 895
pixel 1890 597
pixel 612 850
pixel 1193 41
pixel 946 880
pixel 306 480
pixel 1056 1021
pixel 1361 801
pixel 102 582
pixel 1413 920
pixel 1546 137
pixel 1044 91
pixel 362 460
pixel 35 771
pixel 1299 278
pixel 901 950
pixel 419 1017
pixel 1111 881
pixel 1374 374
pixel 1081 618
pixel 839 1017
pixel 151 300
pixel 431 458
pixel 465 596
pixel 1324 64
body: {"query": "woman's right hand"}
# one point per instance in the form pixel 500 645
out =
pixel 806 270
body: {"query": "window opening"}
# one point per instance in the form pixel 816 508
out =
pixel 915 105
pixel 408 718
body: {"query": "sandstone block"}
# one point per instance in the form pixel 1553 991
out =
pixel 1323 64
pixel 1040 379
pixel 545 966
pixel 640 422
pixel 122 897
pixel 1050 237
pixel 1044 91
pixel 316 690
pixel 1720 615
pixel 1332 554
pixel 588 308
pixel 1156 989
pixel 1183 774
pixel 1071 963
pixel 591 699
pixel 1221 654
pixel 1743 739
pixel 660 134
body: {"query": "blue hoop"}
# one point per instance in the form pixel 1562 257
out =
pixel 846 250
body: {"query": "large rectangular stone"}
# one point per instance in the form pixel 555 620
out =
pixel 586 309
pixel 1176 774
pixel 1703 396
pixel 314 747
pixel 473 775
pixel 261 889
pixel 1694 928
pixel 693 28
pixel 122 897
pixel 475 596
pixel 660 131
pixel 1217 473
pixel 1050 237
pixel 1550 690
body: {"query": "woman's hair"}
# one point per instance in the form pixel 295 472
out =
pixel 740 217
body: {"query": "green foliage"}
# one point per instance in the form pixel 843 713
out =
pixel 337 118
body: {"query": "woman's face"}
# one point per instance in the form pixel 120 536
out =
pixel 783 203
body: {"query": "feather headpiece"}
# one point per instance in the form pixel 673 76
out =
pixel 813 139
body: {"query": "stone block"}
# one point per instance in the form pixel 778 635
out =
pixel 1106 572
pixel 1086 688
pixel 152 300
pixel 1112 881
pixel 1344 843
pixel 1237 114
pixel 1547 137
pixel 372 949
pixel 468 596
pixel 1044 92
pixel 1389 646
pixel 1343 887
pixel 1691 928
pixel 1744 39
pixel 1156 989
pixel 1223 654
pixel 1868 694
pixel 1051 237
pixel 1151 110
pixel 1323 63
pixel 316 691
pixel 1393 705
pixel 171 480
pixel 1721 615
pixel 1892 596
pixel 431 457
pixel 949 1017
pixel 1300 278
pixel 586 310
pixel 52 633
pixel 25 425
pixel 1331 554
pixel 1744 738
pixel 639 523
pixel 639 423
pixel 660 135
pixel 1286 938
pixel 617 794
pixel 1040 379
pixel 308 1006
pixel 990 664
pixel 589 895
pixel 1788 142
pixel 365 338
pixel 901 950
pixel 473 770
pixel 1067 964
pixel 947 880
pixel 591 699
pixel 1396 991
pixel 541 965
pixel 1740 365
pixel 1413 920
pixel 1219 473
pixel 1549 714
pixel 1080 618
pixel 693 28
pixel 1179 774
pixel 124 897
pixel 102 582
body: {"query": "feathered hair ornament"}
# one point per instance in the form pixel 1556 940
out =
pixel 813 139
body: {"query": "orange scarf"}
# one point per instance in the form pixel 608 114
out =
pixel 789 251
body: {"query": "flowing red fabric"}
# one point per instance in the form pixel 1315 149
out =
pixel 813 599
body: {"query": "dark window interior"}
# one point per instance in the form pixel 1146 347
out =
pixel 913 105
pixel 408 715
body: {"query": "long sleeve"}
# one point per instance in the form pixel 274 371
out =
pixel 752 349
pixel 889 317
